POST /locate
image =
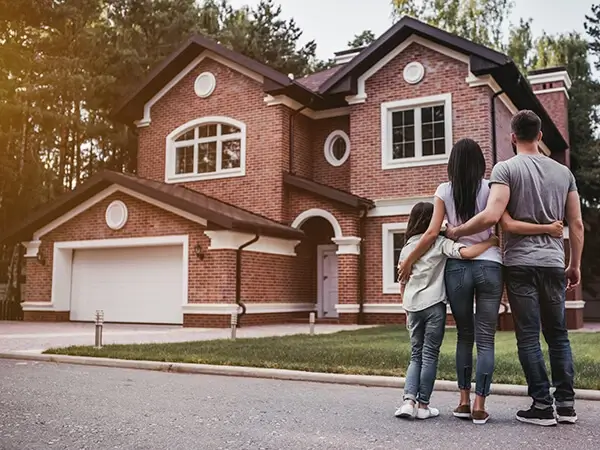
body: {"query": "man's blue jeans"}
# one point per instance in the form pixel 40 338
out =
pixel 482 280
pixel 537 295
pixel 426 330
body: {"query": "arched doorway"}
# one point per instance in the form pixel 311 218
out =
pixel 318 261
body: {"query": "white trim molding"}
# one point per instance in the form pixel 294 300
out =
pixel 551 77
pixel 347 308
pixel 488 80
pixel 171 147
pixel 317 212
pixel 32 248
pixel 574 304
pixel 315 115
pixel 387 248
pixel 251 308
pixel 84 206
pixel 361 95
pixel 396 206
pixel 62 264
pixel 233 240
pixel 328 148
pixel 415 104
pixel 38 306
pixel 347 245
pixel 553 90
pixel 147 119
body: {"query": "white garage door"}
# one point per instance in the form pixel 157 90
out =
pixel 131 284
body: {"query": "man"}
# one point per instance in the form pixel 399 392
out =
pixel 537 189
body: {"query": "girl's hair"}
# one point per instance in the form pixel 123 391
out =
pixel 419 219
pixel 466 169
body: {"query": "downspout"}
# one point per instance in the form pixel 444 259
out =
pixel 494 162
pixel 291 139
pixel 238 276
pixel 361 267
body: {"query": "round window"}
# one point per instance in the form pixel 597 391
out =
pixel 337 148
pixel 205 84
pixel 116 215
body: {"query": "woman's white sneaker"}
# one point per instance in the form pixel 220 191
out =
pixel 407 411
pixel 427 413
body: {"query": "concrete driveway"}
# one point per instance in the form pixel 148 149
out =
pixel 35 337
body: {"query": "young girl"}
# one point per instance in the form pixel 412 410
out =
pixel 424 300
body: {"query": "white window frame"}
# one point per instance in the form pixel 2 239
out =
pixel 387 108
pixel 171 145
pixel 387 251
pixel 328 148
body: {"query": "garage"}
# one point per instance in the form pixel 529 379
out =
pixel 130 284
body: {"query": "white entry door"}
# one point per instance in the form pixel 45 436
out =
pixel 327 281
pixel 130 284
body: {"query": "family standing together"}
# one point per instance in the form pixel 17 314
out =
pixel 530 195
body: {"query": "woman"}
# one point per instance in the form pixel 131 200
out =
pixel 458 200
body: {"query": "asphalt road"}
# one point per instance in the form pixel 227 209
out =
pixel 52 406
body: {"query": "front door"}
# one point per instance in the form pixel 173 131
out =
pixel 328 281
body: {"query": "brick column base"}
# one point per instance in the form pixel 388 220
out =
pixel 45 316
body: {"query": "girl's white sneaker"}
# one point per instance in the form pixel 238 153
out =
pixel 427 413
pixel 407 411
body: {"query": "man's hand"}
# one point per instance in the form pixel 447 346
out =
pixel 404 271
pixel 555 229
pixel 573 277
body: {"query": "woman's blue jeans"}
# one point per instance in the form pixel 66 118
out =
pixel 481 280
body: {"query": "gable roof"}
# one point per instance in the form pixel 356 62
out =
pixel 482 61
pixel 215 212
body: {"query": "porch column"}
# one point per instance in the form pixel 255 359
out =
pixel 348 278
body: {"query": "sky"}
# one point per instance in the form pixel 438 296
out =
pixel 332 25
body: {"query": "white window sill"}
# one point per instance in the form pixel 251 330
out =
pixel 205 176
pixel 393 288
pixel 415 162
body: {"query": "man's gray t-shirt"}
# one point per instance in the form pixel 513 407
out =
pixel 538 194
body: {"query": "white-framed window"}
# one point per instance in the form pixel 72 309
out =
pixel 416 132
pixel 337 148
pixel 392 240
pixel 206 148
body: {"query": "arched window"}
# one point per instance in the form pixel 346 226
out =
pixel 206 148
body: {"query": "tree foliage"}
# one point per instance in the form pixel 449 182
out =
pixel 362 40
pixel 65 64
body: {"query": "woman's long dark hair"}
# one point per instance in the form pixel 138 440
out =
pixel 419 219
pixel 466 169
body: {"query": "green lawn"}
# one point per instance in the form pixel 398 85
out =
pixel 372 351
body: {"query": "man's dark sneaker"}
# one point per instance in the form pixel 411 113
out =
pixel 536 416
pixel 566 414
pixel 462 412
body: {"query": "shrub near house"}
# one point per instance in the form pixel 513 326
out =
pixel 288 196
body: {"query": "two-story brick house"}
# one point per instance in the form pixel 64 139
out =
pixel 284 196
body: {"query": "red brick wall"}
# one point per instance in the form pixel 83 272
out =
pixel 503 142
pixel 374 260
pixel 240 98
pixel 557 106
pixel 442 75
pixel 338 177
pixel 302 154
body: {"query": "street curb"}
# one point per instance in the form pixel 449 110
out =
pixel 275 374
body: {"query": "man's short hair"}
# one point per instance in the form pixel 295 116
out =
pixel 526 126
